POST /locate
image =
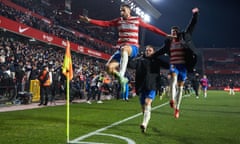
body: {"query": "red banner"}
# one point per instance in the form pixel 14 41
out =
pixel 26 11
pixel 30 32
pixel 222 71
pixel 235 89
pixel 90 38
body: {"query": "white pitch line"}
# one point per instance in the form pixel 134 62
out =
pixel 112 125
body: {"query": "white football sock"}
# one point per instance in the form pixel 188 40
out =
pixel 205 94
pixel 123 63
pixel 146 115
pixel 173 88
pixel 179 97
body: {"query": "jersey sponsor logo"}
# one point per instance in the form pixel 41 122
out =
pixel 21 30
pixel 128 26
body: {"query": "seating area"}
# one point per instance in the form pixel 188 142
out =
pixel 221 65
pixel 59 25
pixel 225 60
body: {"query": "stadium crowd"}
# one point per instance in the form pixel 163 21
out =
pixel 62 27
pixel 22 60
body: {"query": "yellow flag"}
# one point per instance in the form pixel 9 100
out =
pixel 67 63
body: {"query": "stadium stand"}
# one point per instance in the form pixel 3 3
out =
pixel 219 64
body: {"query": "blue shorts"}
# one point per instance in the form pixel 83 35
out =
pixel 204 88
pixel 147 94
pixel 117 55
pixel 180 70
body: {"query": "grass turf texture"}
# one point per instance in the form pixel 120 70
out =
pixel 214 120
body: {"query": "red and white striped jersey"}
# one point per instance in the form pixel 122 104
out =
pixel 176 53
pixel 128 29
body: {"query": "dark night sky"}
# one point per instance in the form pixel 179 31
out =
pixel 218 26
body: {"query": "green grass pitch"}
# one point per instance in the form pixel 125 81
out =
pixel 214 120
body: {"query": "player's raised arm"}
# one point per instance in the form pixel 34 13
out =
pixel 154 29
pixel 97 22
pixel 84 18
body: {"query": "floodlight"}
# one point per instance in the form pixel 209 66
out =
pixel 146 18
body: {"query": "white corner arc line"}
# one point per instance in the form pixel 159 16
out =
pixel 112 125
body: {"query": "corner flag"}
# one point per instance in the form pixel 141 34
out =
pixel 68 72
pixel 67 63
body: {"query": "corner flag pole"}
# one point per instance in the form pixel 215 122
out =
pixel 68 72
pixel 68 109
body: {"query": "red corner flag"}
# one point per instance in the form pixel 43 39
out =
pixel 67 63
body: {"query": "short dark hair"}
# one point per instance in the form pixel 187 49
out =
pixel 175 28
pixel 151 46
pixel 125 5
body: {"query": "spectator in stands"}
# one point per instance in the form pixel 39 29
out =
pixel 45 83
pixel 34 73
pixel 54 85
pixel 82 80
pixel 58 29
pixel 128 27
pixel 4 79
pixel 75 89
pixel 178 49
pixel 107 83
pixel 62 90
pixel 95 90
pixel 38 55
pixel 116 91
pixel 19 73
